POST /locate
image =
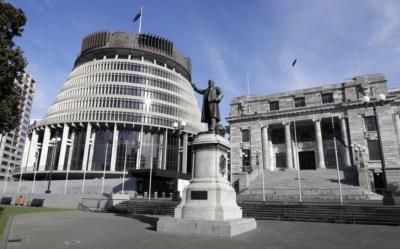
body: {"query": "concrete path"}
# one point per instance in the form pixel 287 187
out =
pixel 85 230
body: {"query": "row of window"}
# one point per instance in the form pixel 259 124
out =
pixel 126 66
pixel 108 77
pixel 128 104
pixel 114 116
pixel 123 90
pixel 301 102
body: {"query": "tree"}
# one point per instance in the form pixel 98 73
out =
pixel 12 64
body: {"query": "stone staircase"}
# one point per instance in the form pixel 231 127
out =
pixel 348 214
pixel 367 213
pixel 319 184
pixel 154 207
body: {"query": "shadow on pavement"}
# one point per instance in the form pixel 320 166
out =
pixel 152 221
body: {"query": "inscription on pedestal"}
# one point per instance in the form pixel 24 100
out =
pixel 198 195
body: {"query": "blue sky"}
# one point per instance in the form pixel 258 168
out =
pixel 225 39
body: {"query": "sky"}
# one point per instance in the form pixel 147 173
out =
pixel 226 40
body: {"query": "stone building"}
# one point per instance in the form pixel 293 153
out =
pixel 12 143
pixel 296 129
pixel 116 112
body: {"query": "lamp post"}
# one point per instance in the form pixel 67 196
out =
pixel 387 195
pixel 257 153
pixel 178 127
pixel 54 141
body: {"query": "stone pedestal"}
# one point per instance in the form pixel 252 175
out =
pixel 209 202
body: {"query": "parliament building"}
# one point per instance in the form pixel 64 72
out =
pixel 297 129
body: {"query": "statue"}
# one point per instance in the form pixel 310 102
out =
pixel 210 111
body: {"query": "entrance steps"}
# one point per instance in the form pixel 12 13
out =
pixel 321 184
pixel 361 213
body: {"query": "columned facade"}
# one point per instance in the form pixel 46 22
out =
pixel 318 135
pixel 288 143
pixel 115 112
pixel 304 125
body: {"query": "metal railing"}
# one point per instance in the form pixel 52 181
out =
pixel 308 195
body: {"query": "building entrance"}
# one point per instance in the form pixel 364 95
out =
pixel 307 160
pixel 378 183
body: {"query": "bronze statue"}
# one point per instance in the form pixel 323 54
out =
pixel 210 111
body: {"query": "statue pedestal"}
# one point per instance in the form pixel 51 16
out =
pixel 209 202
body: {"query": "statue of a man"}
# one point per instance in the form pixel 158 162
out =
pixel 210 111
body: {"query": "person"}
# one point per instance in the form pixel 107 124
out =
pixel 212 95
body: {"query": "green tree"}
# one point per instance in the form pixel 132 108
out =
pixel 12 64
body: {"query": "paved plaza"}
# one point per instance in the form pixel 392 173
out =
pixel 84 230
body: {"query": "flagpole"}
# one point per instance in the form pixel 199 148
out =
pixel 297 161
pixel 295 138
pixel 358 62
pixel 66 181
pixel 104 170
pixel 34 172
pixel 151 166
pixel 337 163
pixel 140 19
pixel 248 83
pixel 123 174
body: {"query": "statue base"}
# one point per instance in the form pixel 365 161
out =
pixel 209 202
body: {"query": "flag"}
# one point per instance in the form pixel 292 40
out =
pixel 137 17
pixel 294 62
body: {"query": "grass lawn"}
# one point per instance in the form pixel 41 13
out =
pixel 10 210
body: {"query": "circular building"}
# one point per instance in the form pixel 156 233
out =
pixel 116 113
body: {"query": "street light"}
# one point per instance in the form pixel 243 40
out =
pixel 54 141
pixel 178 127
pixel 257 152
pixel 387 195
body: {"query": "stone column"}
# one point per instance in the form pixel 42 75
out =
pixel 271 156
pixel 265 144
pixel 343 127
pixel 288 142
pixel 87 145
pixel 318 136
pixel 91 152
pixel 31 157
pixel 184 153
pixel 45 148
pixel 71 150
pixel 139 152
pixel 114 149
pixel 165 150
pixel 160 152
pixel 63 147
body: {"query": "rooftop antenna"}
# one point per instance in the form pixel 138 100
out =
pixel 358 62
pixel 248 83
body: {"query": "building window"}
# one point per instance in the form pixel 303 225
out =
pixel 370 124
pixel 274 106
pixel 299 102
pixel 245 135
pixel 373 149
pixel 246 161
pixel 280 160
pixel 327 98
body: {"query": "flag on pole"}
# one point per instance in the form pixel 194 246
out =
pixel 294 62
pixel 138 15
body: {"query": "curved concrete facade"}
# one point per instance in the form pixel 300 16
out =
pixel 115 111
